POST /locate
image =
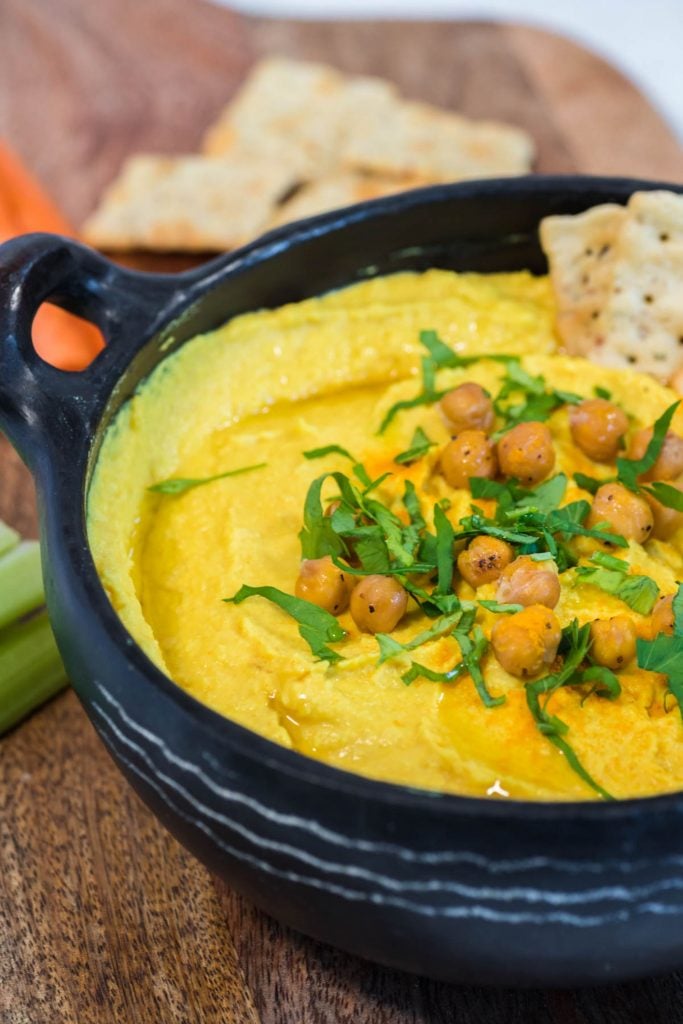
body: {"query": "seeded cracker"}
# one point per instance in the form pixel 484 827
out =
pixel 415 139
pixel 188 203
pixel 580 253
pixel 617 276
pixel 642 320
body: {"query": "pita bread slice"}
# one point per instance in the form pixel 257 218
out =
pixel 415 139
pixel 580 252
pixel 641 324
pixel 296 108
pixel 337 190
pixel 188 203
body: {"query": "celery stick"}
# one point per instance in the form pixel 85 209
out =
pixel 21 582
pixel 31 669
pixel 9 538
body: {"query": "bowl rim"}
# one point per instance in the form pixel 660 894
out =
pixel 251 744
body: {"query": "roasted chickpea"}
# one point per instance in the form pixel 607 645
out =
pixel 614 641
pixel 469 454
pixel 484 560
pixel 626 512
pixel 662 618
pixel 378 603
pixel 597 426
pixel 666 520
pixel 527 453
pixel 321 582
pixel 529 582
pixel 468 407
pixel 526 642
pixel 669 463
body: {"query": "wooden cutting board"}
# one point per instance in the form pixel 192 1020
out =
pixel 103 917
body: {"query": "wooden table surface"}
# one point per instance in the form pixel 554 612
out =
pixel 103 917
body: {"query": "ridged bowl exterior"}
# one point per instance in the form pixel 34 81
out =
pixel 456 888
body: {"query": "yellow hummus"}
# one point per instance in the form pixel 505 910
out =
pixel 268 386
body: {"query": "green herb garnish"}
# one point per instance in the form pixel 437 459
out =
pixel 665 653
pixel 531 519
pixel 472 650
pixel 390 648
pixel 427 396
pixel 502 609
pixel 443 356
pixel 440 356
pixel 589 483
pixel 179 485
pixel 417 671
pixel 574 646
pixel 628 470
pixel 316 626
pixel 604 681
pixel 445 535
pixel 612 575
pixel 666 495
pixel 419 446
pixel 358 468
pixel 601 392
pixel 538 401
pixel 329 449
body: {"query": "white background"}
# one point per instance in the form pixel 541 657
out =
pixel 643 38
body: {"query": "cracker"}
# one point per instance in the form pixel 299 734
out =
pixel 188 203
pixel 580 252
pixel 415 139
pixel 641 324
pixel 337 190
pixel 300 109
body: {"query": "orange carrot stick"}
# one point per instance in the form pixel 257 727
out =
pixel 64 340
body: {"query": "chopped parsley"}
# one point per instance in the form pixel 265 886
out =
pixel 316 626
pixel 445 551
pixel 358 468
pixel 472 651
pixel 534 400
pixel 390 648
pixel 666 494
pixel 318 536
pixel 665 653
pixel 501 609
pixel 439 357
pixel 427 396
pixel 574 647
pixel 532 520
pixel 604 681
pixel 612 575
pixel 628 470
pixel 590 483
pixel 179 485
pixel 419 446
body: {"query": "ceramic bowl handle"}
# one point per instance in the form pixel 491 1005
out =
pixel 36 399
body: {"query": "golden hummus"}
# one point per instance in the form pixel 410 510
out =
pixel 268 386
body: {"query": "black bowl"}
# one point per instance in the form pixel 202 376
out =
pixel 457 888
